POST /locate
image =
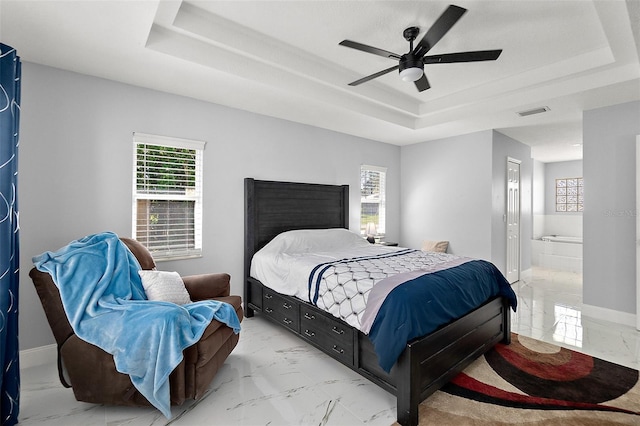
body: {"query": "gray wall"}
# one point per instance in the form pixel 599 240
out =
pixel 559 170
pixel 610 214
pixel 538 197
pixel 446 194
pixel 76 157
pixel 454 189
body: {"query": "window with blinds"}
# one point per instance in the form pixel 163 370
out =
pixel 372 199
pixel 167 211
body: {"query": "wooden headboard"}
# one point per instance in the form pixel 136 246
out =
pixel 271 208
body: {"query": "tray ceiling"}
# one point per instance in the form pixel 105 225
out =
pixel 282 58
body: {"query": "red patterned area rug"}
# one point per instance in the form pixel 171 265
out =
pixel 530 382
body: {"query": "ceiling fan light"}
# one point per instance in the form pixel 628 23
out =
pixel 411 74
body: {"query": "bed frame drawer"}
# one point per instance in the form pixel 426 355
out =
pixel 327 333
pixel 281 310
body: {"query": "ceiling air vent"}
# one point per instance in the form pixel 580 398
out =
pixel 533 111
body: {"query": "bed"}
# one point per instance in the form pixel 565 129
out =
pixel 425 363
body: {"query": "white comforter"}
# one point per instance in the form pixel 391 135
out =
pixel 285 263
pixel 296 263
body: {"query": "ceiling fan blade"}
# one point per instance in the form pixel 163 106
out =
pixel 369 49
pixel 372 76
pixel 448 58
pixel 439 29
pixel 422 83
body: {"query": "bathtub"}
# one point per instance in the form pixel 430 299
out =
pixel 558 252
pixel 562 239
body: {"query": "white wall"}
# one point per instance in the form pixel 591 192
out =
pixel 76 169
pixel 446 193
pixel 609 167
pixel 547 221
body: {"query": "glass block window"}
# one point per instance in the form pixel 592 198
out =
pixel 570 194
pixel 167 192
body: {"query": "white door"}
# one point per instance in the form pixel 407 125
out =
pixel 513 220
pixel 637 233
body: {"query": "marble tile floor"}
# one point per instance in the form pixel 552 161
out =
pixel 274 378
pixel 550 309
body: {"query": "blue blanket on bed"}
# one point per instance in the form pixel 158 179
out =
pixel 106 305
pixel 444 296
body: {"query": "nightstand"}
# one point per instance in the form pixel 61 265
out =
pixel 388 243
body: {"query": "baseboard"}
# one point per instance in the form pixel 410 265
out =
pixel 610 315
pixel 38 356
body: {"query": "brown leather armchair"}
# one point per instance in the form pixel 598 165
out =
pixel 91 372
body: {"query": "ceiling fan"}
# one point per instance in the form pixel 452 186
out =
pixel 411 64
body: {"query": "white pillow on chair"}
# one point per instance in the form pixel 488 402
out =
pixel 164 286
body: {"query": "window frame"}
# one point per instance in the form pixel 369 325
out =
pixel 196 196
pixel 382 205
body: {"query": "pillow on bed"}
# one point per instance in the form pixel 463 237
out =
pixel 315 240
pixel 286 260
pixel 436 246
pixel 164 286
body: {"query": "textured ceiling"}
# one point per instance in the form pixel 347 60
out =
pixel 283 59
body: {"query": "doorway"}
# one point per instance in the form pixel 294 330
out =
pixel 637 233
pixel 513 220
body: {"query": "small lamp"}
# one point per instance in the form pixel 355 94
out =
pixel 371 231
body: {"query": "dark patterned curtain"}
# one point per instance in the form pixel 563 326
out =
pixel 9 235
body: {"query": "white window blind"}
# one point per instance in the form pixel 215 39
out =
pixel 372 198
pixel 167 210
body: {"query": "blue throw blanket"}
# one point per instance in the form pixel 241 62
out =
pixel 106 305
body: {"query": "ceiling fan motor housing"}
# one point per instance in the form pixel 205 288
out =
pixel 409 60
